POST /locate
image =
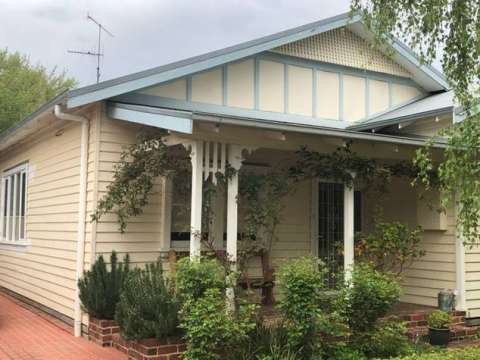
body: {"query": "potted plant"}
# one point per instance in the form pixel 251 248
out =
pixel 438 327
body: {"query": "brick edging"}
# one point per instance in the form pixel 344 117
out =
pixel 150 349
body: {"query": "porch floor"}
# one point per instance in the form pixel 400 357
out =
pixel 25 335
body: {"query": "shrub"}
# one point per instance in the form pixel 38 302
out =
pixel 388 339
pixel 100 288
pixel 391 247
pixel 368 296
pixel 194 278
pixel 301 284
pixel 148 305
pixel 211 331
pixel 439 319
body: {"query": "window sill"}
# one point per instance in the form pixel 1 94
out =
pixel 14 245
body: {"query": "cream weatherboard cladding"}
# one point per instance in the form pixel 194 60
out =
pixel 436 270
pixel 328 95
pixel 354 95
pixel 271 92
pixel 175 90
pixel 44 271
pixel 241 84
pixel 378 100
pixel 342 47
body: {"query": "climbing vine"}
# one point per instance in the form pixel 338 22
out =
pixel 260 192
pixel 134 177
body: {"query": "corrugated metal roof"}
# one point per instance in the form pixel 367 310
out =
pixel 429 106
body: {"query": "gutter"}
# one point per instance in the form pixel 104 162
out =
pixel 82 206
pixel 372 124
pixel 317 130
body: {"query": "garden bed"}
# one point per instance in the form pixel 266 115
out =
pixel 151 349
pixel 102 331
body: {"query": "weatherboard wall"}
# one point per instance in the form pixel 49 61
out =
pixel 44 271
pixel 425 277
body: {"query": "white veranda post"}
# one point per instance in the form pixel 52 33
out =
pixel 348 230
pixel 196 157
pixel 235 161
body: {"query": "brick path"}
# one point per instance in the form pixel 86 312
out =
pixel 25 335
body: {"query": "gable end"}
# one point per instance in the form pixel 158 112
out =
pixel 343 47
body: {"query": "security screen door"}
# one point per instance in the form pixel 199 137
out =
pixel 330 227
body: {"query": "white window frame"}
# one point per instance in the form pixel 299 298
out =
pixel 19 169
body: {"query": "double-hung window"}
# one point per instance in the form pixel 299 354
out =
pixel 13 204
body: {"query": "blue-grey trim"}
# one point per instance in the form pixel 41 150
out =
pixel 389 110
pixel 347 70
pixel 132 82
pixel 49 104
pixel 429 70
pixel 397 120
pixel 155 101
pixel 150 116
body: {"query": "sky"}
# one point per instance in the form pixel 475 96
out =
pixel 147 33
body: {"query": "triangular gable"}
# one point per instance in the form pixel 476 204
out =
pixel 343 47
pixel 431 80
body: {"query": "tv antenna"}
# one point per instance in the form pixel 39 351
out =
pixel 98 54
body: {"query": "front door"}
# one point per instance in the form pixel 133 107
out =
pixel 330 229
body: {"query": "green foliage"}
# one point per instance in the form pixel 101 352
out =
pixel 140 164
pixel 301 284
pixel 457 174
pixel 148 305
pixel 194 278
pixel 100 288
pixel 429 26
pixel 454 354
pixel 439 319
pixel 369 295
pixel 346 166
pixel 388 339
pixel 211 331
pixel 24 86
pixel 452 27
pixel 391 247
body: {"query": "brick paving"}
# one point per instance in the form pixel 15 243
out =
pixel 26 335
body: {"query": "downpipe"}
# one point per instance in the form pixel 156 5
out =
pixel 82 207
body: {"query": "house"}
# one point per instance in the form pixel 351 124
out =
pixel 316 85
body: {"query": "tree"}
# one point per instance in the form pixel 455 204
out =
pixel 450 29
pixel 24 86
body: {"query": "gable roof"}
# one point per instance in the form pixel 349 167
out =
pixel 427 76
pixel 433 105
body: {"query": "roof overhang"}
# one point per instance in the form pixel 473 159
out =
pixel 30 124
pixel 175 121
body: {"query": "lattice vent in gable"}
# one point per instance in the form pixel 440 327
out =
pixel 342 47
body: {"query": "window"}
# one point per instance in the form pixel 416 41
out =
pixel 181 198
pixel 13 204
